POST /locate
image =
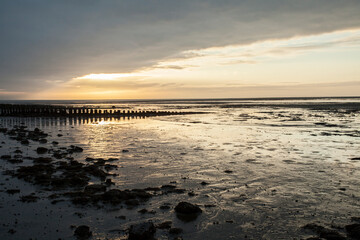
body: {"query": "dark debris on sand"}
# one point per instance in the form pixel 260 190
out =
pixel 352 231
pixel 57 171
pixel 82 232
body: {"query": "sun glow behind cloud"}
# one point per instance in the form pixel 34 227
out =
pixel 107 76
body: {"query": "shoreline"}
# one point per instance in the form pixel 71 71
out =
pixel 254 173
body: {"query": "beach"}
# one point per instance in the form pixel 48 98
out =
pixel 256 169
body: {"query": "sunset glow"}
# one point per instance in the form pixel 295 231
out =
pixel 259 69
pixel 106 76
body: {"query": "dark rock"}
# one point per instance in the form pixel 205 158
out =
pixel 142 231
pixel 175 231
pixel 42 160
pixel 94 188
pixel 168 187
pixel 209 205
pixel 204 183
pixel 109 182
pixel 228 171
pixel 164 207
pixel 187 208
pixel 95 171
pixel 164 225
pixel 191 194
pixel 75 149
pixel 58 155
pixel 41 150
pixel 79 214
pixel 323 232
pixel 353 230
pixel 116 196
pixel 132 202
pixel 125 150
pixel 13 191
pixel 187 212
pixel 143 211
pixel 109 167
pixel 55 142
pixel 355 219
pixel 140 193
pixel 82 232
pixel 43 141
pixel 15 161
pixel 155 189
pixel 28 198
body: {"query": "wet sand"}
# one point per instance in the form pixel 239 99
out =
pixel 261 172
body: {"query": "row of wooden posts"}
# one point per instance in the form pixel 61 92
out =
pixel 28 110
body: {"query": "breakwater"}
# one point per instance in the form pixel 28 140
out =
pixel 66 111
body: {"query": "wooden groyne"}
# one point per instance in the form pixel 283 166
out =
pixel 66 111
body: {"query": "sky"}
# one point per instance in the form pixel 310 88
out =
pixel 155 49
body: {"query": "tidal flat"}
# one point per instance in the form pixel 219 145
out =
pixel 271 169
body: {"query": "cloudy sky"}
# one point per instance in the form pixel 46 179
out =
pixel 117 49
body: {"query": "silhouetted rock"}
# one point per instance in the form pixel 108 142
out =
pixel 187 208
pixel 28 198
pixel 75 149
pixel 175 231
pixel 187 212
pixel 142 231
pixel 164 207
pixel 353 230
pixel 95 188
pixel 323 232
pixel 164 225
pixel 41 150
pixel 13 191
pixel 42 160
pixel 25 142
pixel 6 157
pixel 83 232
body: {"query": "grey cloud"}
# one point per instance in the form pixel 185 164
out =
pixel 47 41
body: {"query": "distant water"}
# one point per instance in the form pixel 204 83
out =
pixel 194 101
